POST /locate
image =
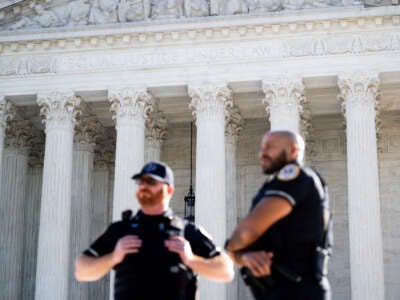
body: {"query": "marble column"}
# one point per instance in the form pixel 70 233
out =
pixel 59 110
pixel 209 103
pixel 6 114
pixel 283 99
pixel 156 132
pixel 131 108
pixel 14 180
pixel 359 93
pixel 101 209
pixel 86 133
pixel 232 130
pixel 32 214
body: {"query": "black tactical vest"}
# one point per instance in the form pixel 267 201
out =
pixel 154 272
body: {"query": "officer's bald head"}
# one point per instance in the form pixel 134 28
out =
pixel 288 139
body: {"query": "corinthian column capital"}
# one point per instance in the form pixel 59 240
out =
pixel 36 153
pixel 234 123
pixel 210 99
pixel 7 111
pixel 58 108
pixel 19 134
pixel 284 92
pixel 87 131
pixel 359 90
pixel 105 149
pixel 128 103
pixel 156 128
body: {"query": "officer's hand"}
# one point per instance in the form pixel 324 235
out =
pixel 258 262
pixel 181 246
pixel 126 245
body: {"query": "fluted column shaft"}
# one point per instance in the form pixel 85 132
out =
pixel 55 215
pixel 366 258
pixel 210 104
pixel 32 213
pixel 99 289
pixel 14 178
pixel 153 150
pixel 81 211
pixel 130 107
pixel 283 98
pixel 232 129
pixel 31 230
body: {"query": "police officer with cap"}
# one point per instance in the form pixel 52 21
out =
pixel 155 254
pixel 283 244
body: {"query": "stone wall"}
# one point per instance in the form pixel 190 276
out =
pixel 329 158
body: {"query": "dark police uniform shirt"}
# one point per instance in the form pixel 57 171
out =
pixel 294 238
pixel 154 272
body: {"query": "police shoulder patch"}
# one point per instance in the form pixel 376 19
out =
pixel 289 172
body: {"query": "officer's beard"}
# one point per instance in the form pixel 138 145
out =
pixel 147 198
pixel 276 164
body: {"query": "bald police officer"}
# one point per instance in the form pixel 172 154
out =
pixel 283 244
pixel 155 254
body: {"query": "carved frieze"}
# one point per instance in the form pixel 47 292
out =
pixel 46 14
pixel 67 63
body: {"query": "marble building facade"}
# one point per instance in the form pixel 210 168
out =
pixel 90 90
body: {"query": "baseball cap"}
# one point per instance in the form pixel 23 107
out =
pixel 157 170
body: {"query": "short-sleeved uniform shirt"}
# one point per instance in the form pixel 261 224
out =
pixel 152 273
pixel 294 238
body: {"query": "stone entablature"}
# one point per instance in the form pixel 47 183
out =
pixel 190 44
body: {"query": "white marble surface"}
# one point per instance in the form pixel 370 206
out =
pixel 359 93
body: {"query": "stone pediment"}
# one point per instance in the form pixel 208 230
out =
pixel 21 15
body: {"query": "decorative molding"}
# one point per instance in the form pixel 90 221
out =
pixel 127 103
pixel 156 128
pixel 210 99
pixel 284 99
pixel 351 24
pixel 328 145
pixel 58 108
pixel 360 91
pixel 234 123
pixel 87 131
pixel 284 92
pixel 104 154
pixel 19 134
pixel 7 112
pixel 36 153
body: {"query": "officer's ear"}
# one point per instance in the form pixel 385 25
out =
pixel 170 189
pixel 293 152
